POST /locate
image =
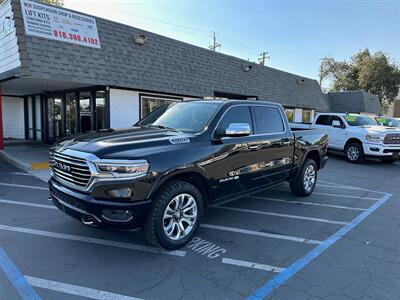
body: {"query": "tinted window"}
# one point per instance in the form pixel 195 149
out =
pixel 336 118
pixel 268 120
pixel 323 120
pixel 236 114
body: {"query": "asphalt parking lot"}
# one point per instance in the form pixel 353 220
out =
pixel 342 242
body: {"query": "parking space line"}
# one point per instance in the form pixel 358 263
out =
pixel 19 282
pixel 349 188
pixel 24 186
pixel 334 195
pixel 308 203
pixel 262 234
pixel 27 204
pixel 22 174
pixel 248 264
pixel 269 286
pixel 345 196
pixel 91 240
pixel 267 213
pixel 75 289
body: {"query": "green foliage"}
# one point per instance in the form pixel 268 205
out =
pixel 59 3
pixel 374 73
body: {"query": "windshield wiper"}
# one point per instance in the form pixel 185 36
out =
pixel 162 127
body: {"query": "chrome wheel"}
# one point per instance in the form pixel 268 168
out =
pixel 180 216
pixel 353 153
pixel 309 178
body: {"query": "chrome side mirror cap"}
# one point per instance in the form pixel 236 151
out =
pixel 238 129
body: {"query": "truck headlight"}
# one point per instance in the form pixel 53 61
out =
pixel 122 168
pixel 374 138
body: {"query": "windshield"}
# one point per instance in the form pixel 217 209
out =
pixel 388 122
pixel 354 120
pixel 189 117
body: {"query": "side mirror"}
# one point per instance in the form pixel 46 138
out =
pixel 336 124
pixel 238 129
pixel 234 130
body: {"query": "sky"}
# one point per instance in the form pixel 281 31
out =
pixel 296 33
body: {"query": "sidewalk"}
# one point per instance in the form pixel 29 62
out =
pixel 31 157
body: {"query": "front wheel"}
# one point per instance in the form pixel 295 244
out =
pixel 304 184
pixel 355 153
pixel 174 216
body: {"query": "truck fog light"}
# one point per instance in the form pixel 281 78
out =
pixel 120 193
pixel 117 215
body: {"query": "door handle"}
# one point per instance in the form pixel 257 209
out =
pixel 254 147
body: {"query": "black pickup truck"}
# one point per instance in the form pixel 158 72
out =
pixel 162 173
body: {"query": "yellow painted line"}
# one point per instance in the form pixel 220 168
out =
pixel 40 166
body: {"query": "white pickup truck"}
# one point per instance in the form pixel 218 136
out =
pixel 359 136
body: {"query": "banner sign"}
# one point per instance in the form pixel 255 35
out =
pixel 59 24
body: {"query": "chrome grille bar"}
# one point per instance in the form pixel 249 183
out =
pixel 72 170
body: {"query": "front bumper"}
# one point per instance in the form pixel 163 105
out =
pixel 84 207
pixel 371 149
pixel 323 162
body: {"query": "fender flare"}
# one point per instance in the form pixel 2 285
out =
pixel 164 177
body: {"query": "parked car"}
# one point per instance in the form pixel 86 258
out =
pixel 386 121
pixel 162 173
pixel 359 136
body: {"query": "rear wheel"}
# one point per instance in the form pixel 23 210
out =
pixel 304 184
pixel 174 216
pixel 354 153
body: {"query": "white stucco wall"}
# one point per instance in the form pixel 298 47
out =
pixel 124 108
pixel 298 115
pixel 13 117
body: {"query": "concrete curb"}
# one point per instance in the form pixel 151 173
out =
pixel 15 162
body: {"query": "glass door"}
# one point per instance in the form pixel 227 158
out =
pixel 55 118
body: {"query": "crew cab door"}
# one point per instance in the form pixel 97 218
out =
pixel 234 158
pixel 337 135
pixel 274 143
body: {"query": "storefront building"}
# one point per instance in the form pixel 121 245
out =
pixel 64 72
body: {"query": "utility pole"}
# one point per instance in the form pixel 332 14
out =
pixel 263 57
pixel 215 45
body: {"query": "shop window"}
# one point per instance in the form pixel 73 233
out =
pixel 289 112
pixel 149 103
pixel 84 108
pixel 70 113
pixel 100 110
pixel 307 116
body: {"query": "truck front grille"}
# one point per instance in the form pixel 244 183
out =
pixel 71 169
pixel 392 138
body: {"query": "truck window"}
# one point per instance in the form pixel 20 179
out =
pixel 336 118
pixel 268 120
pixel 323 120
pixel 236 114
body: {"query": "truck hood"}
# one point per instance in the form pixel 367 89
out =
pixel 125 142
pixel 376 129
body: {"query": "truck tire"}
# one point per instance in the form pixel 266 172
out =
pixel 304 183
pixel 175 214
pixel 354 152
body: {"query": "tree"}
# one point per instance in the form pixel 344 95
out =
pixel 375 74
pixel 59 3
